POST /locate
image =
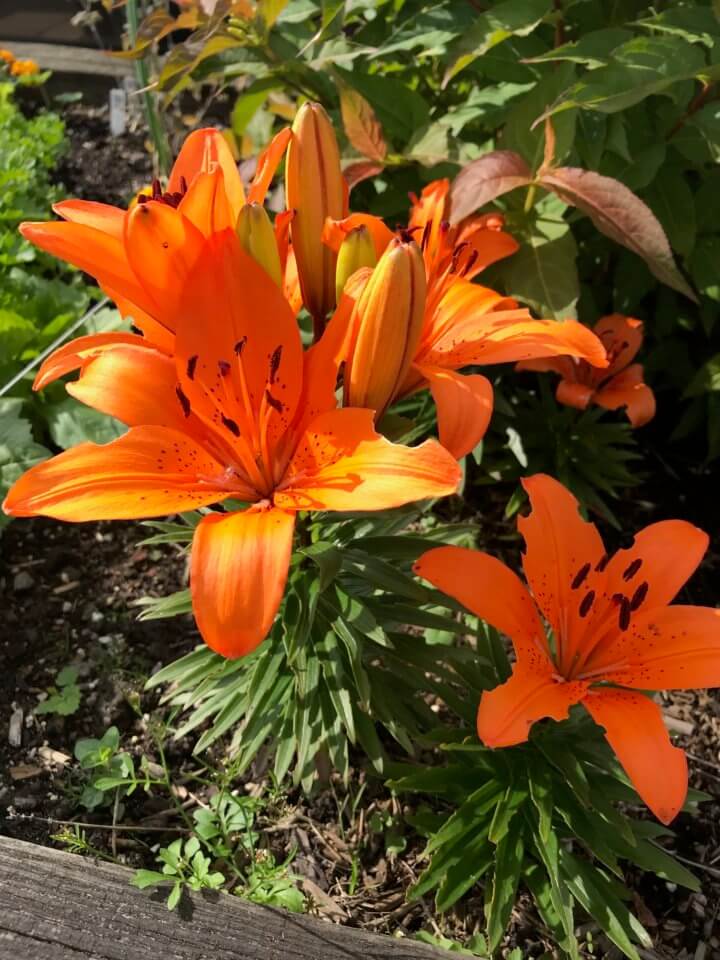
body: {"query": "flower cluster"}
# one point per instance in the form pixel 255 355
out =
pixel 17 68
pixel 229 414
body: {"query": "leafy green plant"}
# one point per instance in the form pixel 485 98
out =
pixel 184 866
pixel 108 768
pixel 64 698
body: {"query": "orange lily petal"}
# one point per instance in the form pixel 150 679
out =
pixel 203 151
pixel 623 333
pixel 673 648
pixel 493 592
pixel 99 216
pixel 464 408
pixel 267 164
pixel 507 713
pixel 470 334
pixel 206 204
pixel 574 394
pixel 162 246
pixel 100 254
pixel 342 463
pixel 664 555
pixel 239 566
pixel 489 246
pixel 134 384
pixel 79 352
pixel 635 730
pixel 558 544
pixel 335 231
pixel 244 338
pixel 627 390
pixel 154 333
pixel 144 473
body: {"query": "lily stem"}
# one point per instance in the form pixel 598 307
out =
pixel 154 121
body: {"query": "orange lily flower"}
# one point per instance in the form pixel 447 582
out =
pixel 613 633
pixel 238 412
pixel 464 323
pixel 620 384
pixel 204 194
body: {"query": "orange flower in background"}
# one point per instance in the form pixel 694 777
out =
pixel 613 633
pixel 23 68
pixel 620 384
pixel 204 195
pixel 464 324
pixel 238 412
pixel 7 55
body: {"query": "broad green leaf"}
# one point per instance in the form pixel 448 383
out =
pixel 671 200
pixel 693 23
pixel 71 423
pixel 521 133
pixel 328 559
pixel 475 858
pixel 505 812
pixel 637 69
pixel 707 379
pixel 538 882
pixel 18 450
pixel 705 267
pixel 592 49
pixel 469 816
pixel 543 274
pixel 249 102
pixel 621 215
pixel 503 20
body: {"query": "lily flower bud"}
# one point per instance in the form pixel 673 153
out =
pixel 315 189
pixel 257 238
pixel 386 327
pixel 357 250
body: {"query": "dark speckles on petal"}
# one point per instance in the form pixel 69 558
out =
pixel 630 572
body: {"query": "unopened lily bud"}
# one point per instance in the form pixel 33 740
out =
pixel 357 250
pixel 387 323
pixel 315 190
pixel 257 237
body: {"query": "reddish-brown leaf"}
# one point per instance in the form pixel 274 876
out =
pixel 620 215
pixel 485 179
pixel 362 127
pixel 354 173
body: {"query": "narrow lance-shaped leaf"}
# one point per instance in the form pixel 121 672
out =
pixel 620 215
pixel 486 178
pixel 362 127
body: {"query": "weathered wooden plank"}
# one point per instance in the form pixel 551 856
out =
pixel 66 59
pixel 57 906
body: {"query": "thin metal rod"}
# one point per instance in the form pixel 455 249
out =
pixel 56 343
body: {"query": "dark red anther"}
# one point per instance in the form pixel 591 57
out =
pixel 630 572
pixel 184 402
pixel 471 261
pixel 639 596
pixel 275 404
pixel 586 603
pixel 223 367
pixel 602 563
pixel 156 189
pixel 183 185
pixel 456 255
pixel 580 576
pixel 444 225
pixel 143 198
pixel 191 364
pixel 625 611
pixel 240 346
pixel 275 363
pixel 231 425
pixel 136 330
pixel 425 236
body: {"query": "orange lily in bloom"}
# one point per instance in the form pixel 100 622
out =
pixel 620 384
pixel 464 323
pixel 238 412
pixel 613 633
pixel 204 194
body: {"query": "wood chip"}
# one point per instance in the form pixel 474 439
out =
pixel 15 728
pixel 326 905
pixel 54 756
pixel 23 771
